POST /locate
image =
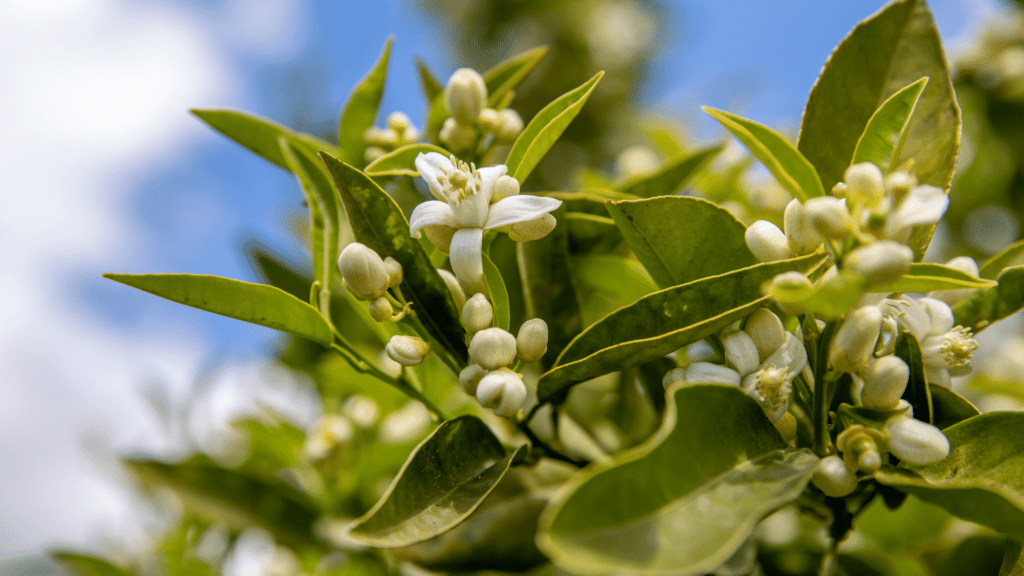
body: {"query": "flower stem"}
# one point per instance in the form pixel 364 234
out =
pixel 822 390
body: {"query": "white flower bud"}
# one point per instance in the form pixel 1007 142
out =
pixel 504 187
pixel 394 271
pixel 407 350
pixel 885 381
pixel 741 352
pixel 373 152
pixel 964 264
pixel 915 442
pixel 399 122
pixel 880 262
pixel 363 272
pixel 766 242
pixel 465 95
pixel 381 310
pixel 786 427
pixel 532 340
pixel 856 339
pixel 829 216
pixel 833 477
pixel 503 391
pixel 708 373
pixel 362 410
pixel 493 348
pixel 458 137
pixel 767 332
pixel 510 125
pixel 839 190
pixel 488 119
pixel 470 377
pixel 801 235
pixel 440 236
pixel 532 229
pixel 477 313
pixel 865 185
pixel 699 351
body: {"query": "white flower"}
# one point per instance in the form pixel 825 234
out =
pixel 464 204
pixel 924 205
pixel 772 383
pixel 532 340
pixel 946 350
pixel 502 391
pixel 833 477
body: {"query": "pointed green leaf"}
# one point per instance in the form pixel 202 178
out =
pixel 918 392
pixel 256 303
pixel 682 502
pixel 432 87
pixel 996 263
pixel 670 178
pixel 444 480
pixel 673 236
pixel 378 222
pixel 88 565
pixel 614 276
pixel 402 161
pixel 886 131
pixel 927 276
pixel 980 480
pixel 792 170
pixel 826 299
pixel 541 133
pixel 663 322
pixel 361 108
pixel 506 75
pixel 949 408
pixel 498 293
pixel 259 134
pixel 991 304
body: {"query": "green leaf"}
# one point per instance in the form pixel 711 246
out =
pixel 884 53
pixel 980 480
pixel 446 477
pixel 991 304
pixel 671 177
pixel 996 263
pixel 918 392
pixel 949 408
pixel 361 108
pixel 402 161
pixel 256 303
pixel 378 222
pixel 685 500
pixel 499 295
pixel 506 75
pixel 673 236
pixel 432 87
pixel 614 276
pixel 792 170
pixel 886 131
pixel 89 565
pixel 927 276
pixel 663 322
pixel 828 299
pixel 259 134
pixel 541 133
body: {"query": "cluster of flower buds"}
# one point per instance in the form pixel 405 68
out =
pixel 399 132
pixel 367 277
pixel 492 351
pixel 465 98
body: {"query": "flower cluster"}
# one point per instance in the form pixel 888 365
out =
pixel 367 277
pixel 465 98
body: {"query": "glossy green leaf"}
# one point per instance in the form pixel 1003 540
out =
pixel 685 500
pixel 432 87
pixel 949 408
pixel 792 170
pixel 981 480
pixel 670 178
pixel 928 276
pixel 1013 558
pixel 361 108
pixel 506 75
pixel 673 237
pixel 614 276
pixel 498 293
pixel 663 322
pixel 918 392
pixel 541 133
pixel 446 477
pixel 828 299
pixel 83 565
pixel 402 161
pixel 991 304
pixel 995 264
pixel 259 134
pixel 883 137
pixel 256 303
pixel 378 222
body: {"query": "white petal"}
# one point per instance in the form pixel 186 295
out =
pixel 465 258
pixel 430 213
pixel 488 176
pixel 923 205
pixel 519 209
pixel 430 166
pixel 791 355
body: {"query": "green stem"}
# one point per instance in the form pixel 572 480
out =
pixel 821 394
pixel 548 451
pixel 828 561
pixel 360 364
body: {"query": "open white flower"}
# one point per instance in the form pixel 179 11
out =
pixel 463 204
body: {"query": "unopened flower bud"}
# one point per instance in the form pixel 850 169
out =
pixel 381 310
pixel 789 281
pixel 470 377
pixel 488 119
pixel 493 348
pixel 766 242
pixel 394 270
pixel 386 138
pixel 532 340
pixel 363 272
pixel 767 332
pixel 407 350
pixel 503 391
pixel 914 441
pixel 864 184
pixel 829 216
pixel 440 236
pixel 880 262
pixel 458 137
pixel 399 122
pixel 699 351
pixel 859 445
pixel 839 190
pixel 856 339
pixel 477 313
pixel 801 235
pixel 510 125
pixel 532 229
pixel 786 427
pixel 741 352
pixel 465 95
pixel 504 187
pixel 372 153
pixel 885 381
pixel 833 477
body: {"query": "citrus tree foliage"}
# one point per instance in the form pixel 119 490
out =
pixel 622 377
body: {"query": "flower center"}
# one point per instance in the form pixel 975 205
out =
pixel 773 386
pixel 958 347
pixel 460 183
